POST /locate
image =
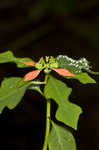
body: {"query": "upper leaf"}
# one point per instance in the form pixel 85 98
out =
pixel 67 112
pixel 11 93
pixel 20 62
pixel 74 66
pixel 61 138
pixel 8 56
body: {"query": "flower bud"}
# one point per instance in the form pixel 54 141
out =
pixel 39 66
pixel 54 65
pixel 46 70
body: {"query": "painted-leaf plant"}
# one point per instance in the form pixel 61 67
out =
pixel 57 137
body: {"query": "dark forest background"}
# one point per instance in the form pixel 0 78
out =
pixel 36 28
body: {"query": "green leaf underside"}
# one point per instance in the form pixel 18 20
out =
pixel 67 112
pixel 10 93
pixel 36 88
pixel 7 57
pixel 31 86
pixel 61 138
pixel 84 78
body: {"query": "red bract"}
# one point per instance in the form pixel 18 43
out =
pixel 33 74
pixel 30 63
pixel 63 72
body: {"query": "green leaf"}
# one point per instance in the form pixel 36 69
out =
pixel 8 56
pixel 83 78
pixel 61 138
pixel 20 64
pixel 10 93
pixel 67 112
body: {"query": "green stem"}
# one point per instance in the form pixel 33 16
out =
pixel 48 109
pixel 38 82
pixel 92 72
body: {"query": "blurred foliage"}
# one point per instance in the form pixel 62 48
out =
pixel 64 7
pixel 33 20
pixel 44 7
pixel 23 15
pixel 8 4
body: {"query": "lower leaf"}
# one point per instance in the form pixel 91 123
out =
pixel 61 138
pixel 10 92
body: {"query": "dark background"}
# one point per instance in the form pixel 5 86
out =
pixel 36 28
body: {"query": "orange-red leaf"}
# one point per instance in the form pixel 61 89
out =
pixel 63 72
pixel 29 63
pixel 31 75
